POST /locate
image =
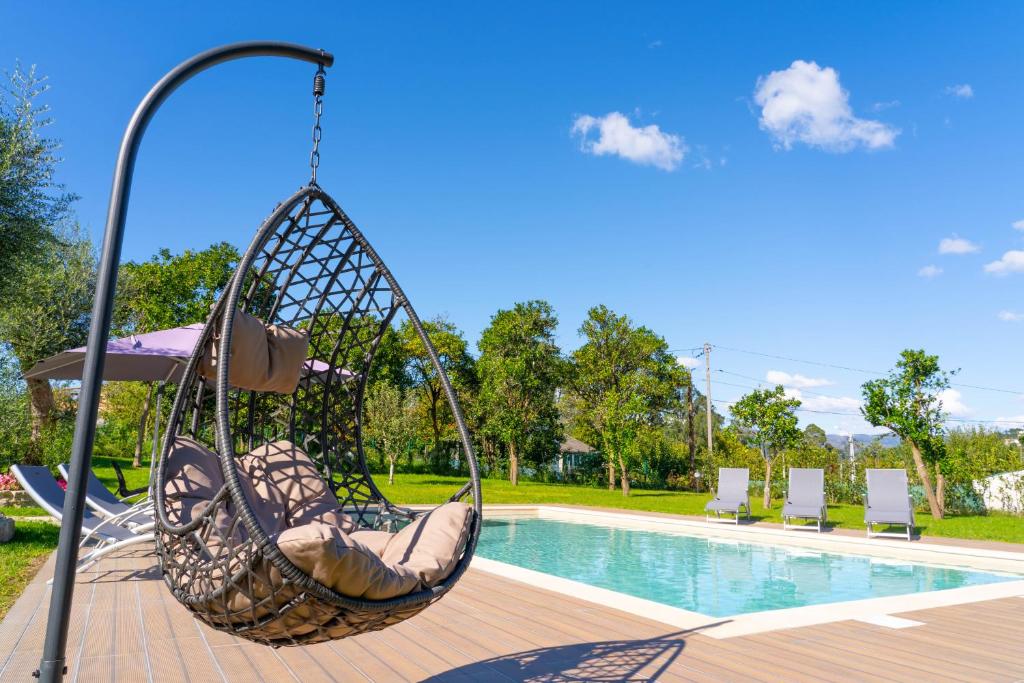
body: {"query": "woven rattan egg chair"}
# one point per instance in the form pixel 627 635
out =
pixel 308 269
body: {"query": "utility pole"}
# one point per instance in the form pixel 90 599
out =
pixel 707 377
pixel 691 431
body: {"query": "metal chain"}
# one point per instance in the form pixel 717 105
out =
pixel 318 108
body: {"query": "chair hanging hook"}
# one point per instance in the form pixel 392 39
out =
pixel 319 82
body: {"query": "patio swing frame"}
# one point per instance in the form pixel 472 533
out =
pixel 52 666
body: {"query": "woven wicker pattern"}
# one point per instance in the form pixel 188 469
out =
pixel 308 268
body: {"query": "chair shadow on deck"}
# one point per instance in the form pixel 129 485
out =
pixel 610 660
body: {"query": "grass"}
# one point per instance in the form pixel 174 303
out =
pixel 19 511
pixel 429 488
pixel 21 558
pixel 426 488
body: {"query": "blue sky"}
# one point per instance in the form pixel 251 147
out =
pixel 778 178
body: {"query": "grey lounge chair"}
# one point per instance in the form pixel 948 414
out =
pixel 888 502
pixel 109 536
pixel 805 498
pixel 138 517
pixel 733 485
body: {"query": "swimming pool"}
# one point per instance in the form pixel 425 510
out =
pixel 713 577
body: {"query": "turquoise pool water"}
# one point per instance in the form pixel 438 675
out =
pixel 717 578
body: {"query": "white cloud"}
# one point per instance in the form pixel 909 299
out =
pixel 798 381
pixel 805 103
pixel 831 404
pixel 654 44
pixel 688 362
pixel 962 90
pixel 1018 225
pixel 882 106
pixel 929 271
pixel 957 245
pixel 1011 262
pixel 648 145
pixel 953 403
pixel 1011 316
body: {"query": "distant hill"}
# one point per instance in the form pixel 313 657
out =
pixel 840 440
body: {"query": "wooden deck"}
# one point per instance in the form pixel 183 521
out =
pixel 125 627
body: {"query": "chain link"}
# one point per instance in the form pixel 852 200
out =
pixel 318 108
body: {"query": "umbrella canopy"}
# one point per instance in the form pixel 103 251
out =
pixel 151 357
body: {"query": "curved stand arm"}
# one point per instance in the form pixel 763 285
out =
pixel 52 667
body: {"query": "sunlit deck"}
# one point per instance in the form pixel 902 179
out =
pixel 126 627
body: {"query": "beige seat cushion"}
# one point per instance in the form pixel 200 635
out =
pixel 333 558
pixel 298 510
pixel 263 357
pixel 432 545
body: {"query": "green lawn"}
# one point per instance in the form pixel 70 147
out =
pixel 429 488
pixel 22 557
pixel 415 488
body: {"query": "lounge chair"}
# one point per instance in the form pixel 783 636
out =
pixel 138 517
pixel 43 488
pixel 805 498
pixel 888 502
pixel 732 495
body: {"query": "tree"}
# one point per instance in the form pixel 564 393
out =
pixel 815 436
pixel 50 314
pixel 623 378
pixel 520 368
pixel 907 403
pixel 452 352
pixel 769 418
pixel 168 290
pixel 31 203
pixel 388 422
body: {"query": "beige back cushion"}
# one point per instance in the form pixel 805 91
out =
pixel 432 545
pixel 263 358
pixel 288 481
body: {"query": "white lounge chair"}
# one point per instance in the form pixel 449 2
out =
pixel 805 498
pixel 137 516
pixel 733 485
pixel 109 536
pixel 888 502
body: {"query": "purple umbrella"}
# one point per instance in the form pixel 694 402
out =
pixel 151 357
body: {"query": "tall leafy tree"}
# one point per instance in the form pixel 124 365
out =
pixel 908 403
pixel 168 290
pixel 32 203
pixel 815 436
pixel 520 368
pixel 623 378
pixel 50 314
pixel 454 356
pixel 768 416
pixel 389 422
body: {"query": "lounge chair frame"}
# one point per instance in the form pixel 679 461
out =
pixel 308 268
pixel 910 527
pixel 742 503
pixel 106 534
pixel 820 519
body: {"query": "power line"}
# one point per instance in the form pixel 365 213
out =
pixel 833 412
pixel 860 370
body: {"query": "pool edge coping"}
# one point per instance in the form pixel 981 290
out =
pixel 768 620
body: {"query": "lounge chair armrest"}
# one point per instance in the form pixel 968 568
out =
pixel 122 485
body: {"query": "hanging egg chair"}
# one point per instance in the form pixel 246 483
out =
pixel 270 526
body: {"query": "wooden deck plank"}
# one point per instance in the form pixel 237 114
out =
pixel 126 627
